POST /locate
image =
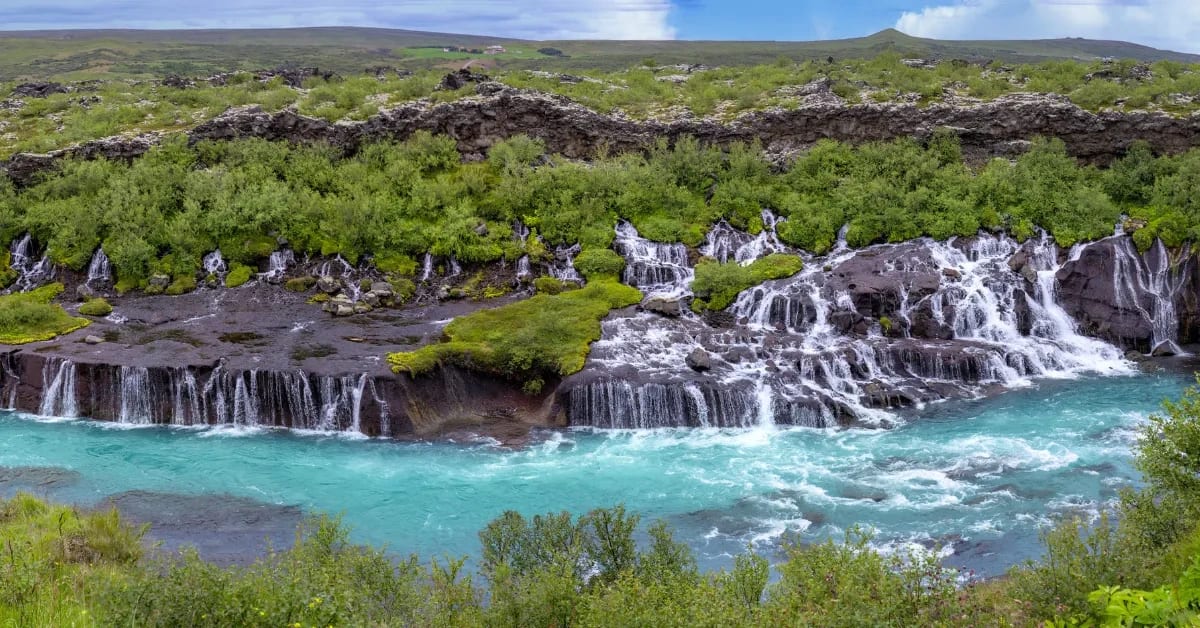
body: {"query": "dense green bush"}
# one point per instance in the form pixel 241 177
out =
pixel 598 263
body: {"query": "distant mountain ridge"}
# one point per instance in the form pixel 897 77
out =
pixel 122 53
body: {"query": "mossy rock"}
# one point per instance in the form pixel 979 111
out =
pixel 528 341
pixel 395 263
pixel 300 284
pixel 717 285
pixel 239 275
pixel 96 307
pixel 182 284
pixel 550 285
pixel 595 263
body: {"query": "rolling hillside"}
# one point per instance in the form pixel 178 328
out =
pixel 90 54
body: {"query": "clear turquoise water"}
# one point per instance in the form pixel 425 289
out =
pixel 980 475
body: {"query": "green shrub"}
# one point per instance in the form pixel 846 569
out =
pixel 30 316
pixel 181 285
pixel 552 285
pixel 238 275
pixel 544 336
pixel 395 264
pixel 717 285
pixel 599 263
pixel 96 307
pixel 300 284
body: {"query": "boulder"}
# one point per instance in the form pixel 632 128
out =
pixel 93 340
pixel 85 292
pixel 371 298
pixel 339 305
pixel 40 89
pixel 699 360
pixel 328 285
pixel 383 289
pixel 460 79
pixel 1164 349
pixel 160 282
pixel 362 308
pixel 670 308
pixel 952 274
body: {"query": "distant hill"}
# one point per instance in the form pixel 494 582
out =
pixel 84 54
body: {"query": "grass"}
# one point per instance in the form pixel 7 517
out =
pixel 717 285
pixel 544 336
pixel 30 316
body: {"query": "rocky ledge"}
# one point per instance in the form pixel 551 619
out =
pixel 1002 127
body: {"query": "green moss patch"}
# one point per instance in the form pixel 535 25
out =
pixel 718 285
pixel 595 263
pixel 300 284
pixel 181 285
pixel 30 316
pixel 238 275
pixel 96 307
pixel 547 335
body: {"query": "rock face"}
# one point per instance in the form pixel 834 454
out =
pixel 1001 127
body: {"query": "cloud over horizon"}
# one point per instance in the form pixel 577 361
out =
pixel 1172 24
pixel 524 19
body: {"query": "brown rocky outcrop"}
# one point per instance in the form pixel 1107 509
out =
pixel 1001 127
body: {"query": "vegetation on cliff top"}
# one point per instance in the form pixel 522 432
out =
pixel 67 567
pixel 30 316
pixel 545 336
pixel 111 108
pixel 717 285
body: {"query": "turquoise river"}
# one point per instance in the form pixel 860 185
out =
pixel 976 477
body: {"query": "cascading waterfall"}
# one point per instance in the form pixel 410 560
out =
pixel 252 398
pixel 562 267
pixel 31 272
pixel 803 354
pixel 523 270
pixel 58 386
pixel 1138 278
pixel 277 265
pixel 99 270
pixel 426 267
pixel 214 264
pixel 658 269
pixel 338 267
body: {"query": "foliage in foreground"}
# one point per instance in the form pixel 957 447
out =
pixel 30 316
pixel 545 336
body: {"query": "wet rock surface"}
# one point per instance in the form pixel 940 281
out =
pixel 36 480
pixel 224 529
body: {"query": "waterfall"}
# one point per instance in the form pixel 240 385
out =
pixel 136 396
pixel 1138 278
pixel 214 263
pixel 455 268
pixel 562 267
pixel 58 389
pixel 426 268
pixel 520 231
pixel 725 244
pixel 657 269
pixel 277 265
pixel 523 271
pixel 99 270
pixel 338 267
pixel 251 398
pixel 811 349
pixel 31 272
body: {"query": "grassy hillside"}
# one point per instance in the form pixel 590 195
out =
pixel 89 54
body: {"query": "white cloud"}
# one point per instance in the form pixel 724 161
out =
pixel 529 19
pixel 1172 24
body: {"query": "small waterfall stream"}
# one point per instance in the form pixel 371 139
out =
pixel 58 384
pixel 32 271
pixel 277 266
pixel 99 272
pixel 1141 278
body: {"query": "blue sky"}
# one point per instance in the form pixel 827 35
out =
pixel 1171 24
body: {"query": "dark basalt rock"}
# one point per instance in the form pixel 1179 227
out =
pixel 40 89
pixel 460 79
pixel 1002 127
pixel 699 360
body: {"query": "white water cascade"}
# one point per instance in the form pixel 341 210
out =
pixel 58 389
pixel 338 267
pixel 933 320
pixel 277 265
pixel 31 271
pixel 1139 278
pixel 562 266
pixel 523 270
pixel 99 270
pixel 657 269
pixel 214 264
pixel 184 397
